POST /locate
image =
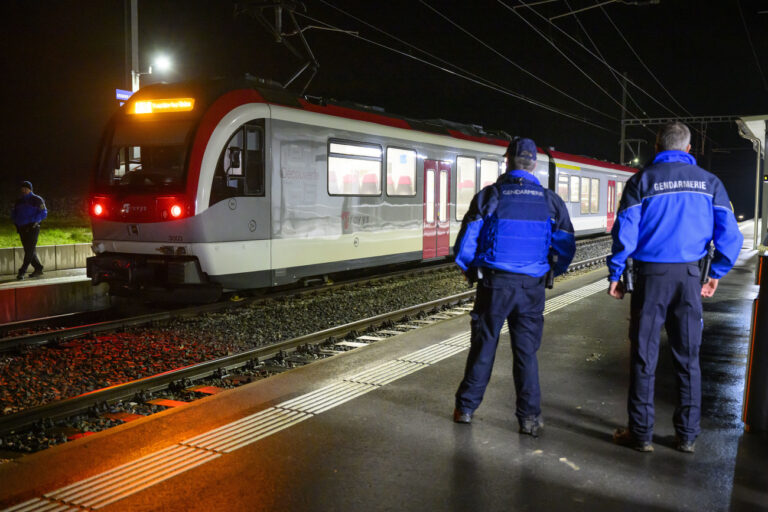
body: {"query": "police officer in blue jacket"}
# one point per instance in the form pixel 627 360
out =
pixel 668 215
pixel 27 214
pixel 505 241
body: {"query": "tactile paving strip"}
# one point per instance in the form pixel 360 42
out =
pixel 113 485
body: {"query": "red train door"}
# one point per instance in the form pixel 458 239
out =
pixel 611 209
pixel 443 208
pixel 429 249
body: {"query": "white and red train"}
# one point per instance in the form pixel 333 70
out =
pixel 204 187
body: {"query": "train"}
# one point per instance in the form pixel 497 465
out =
pixel 204 187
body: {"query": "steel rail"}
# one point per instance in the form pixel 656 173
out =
pixel 67 333
pixel 96 399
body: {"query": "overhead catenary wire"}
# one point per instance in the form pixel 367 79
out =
pixel 458 67
pixel 642 62
pixel 615 75
pixel 409 45
pixel 516 65
pixel 619 79
pixel 563 54
pixel 751 45
pixel 629 81
pixel 641 89
pixel 476 81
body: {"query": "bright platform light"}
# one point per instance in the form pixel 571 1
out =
pixel 163 63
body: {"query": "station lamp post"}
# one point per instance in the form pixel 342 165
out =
pixel 162 62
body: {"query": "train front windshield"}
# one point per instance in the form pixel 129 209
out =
pixel 147 155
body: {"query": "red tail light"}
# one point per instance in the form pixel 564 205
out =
pixel 172 208
pixel 99 207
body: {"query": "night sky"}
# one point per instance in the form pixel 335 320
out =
pixel 63 60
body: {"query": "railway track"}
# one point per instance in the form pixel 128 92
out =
pixel 140 389
pixel 66 331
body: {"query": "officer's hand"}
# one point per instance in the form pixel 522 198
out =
pixel 708 288
pixel 616 290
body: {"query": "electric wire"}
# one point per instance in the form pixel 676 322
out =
pixel 481 82
pixel 513 63
pixel 629 81
pixel 751 45
pixel 642 62
pixel 641 89
pixel 613 73
pixel 406 43
pixel 563 54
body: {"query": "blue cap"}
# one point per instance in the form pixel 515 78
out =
pixel 522 148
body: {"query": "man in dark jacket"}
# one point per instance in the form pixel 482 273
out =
pixel 27 214
pixel 668 216
pixel 504 243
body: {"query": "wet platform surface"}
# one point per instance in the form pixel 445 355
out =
pixel 387 442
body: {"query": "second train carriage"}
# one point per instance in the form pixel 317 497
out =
pixel 208 186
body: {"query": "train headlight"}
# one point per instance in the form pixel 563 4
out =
pixel 175 211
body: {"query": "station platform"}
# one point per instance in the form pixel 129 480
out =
pixel 56 292
pixel 372 429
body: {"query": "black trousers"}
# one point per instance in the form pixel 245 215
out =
pixel 667 295
pixel 29 235
pixel 518 300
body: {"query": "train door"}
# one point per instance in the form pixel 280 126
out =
pixel 437 198
pixel 611 209
pixel 443 208
pixel 429 249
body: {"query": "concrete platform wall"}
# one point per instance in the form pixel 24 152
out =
pixel 27 302
pixel 53 257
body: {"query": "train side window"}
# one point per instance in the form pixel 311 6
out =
pixel 584 195
pixel 562 187
pixel 240 169
pixel 354 169
pixel 401 172
pixel 619 190
pixel 489 172
pixel 594 196
pixel 254 161
pixel 466 169
pixel 574 189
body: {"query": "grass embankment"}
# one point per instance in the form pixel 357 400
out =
pixel 55 230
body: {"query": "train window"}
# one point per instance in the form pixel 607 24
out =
pixel 594 196
pixel 619 190
pixel 574 189
pixel 401 172
pixel 240 169
pixel 562 187
pixel 442 214
pixel 354 169
pixel 430 186
pixel 489 172
pixel 147 155
pixel 584 195
pixel 465 184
